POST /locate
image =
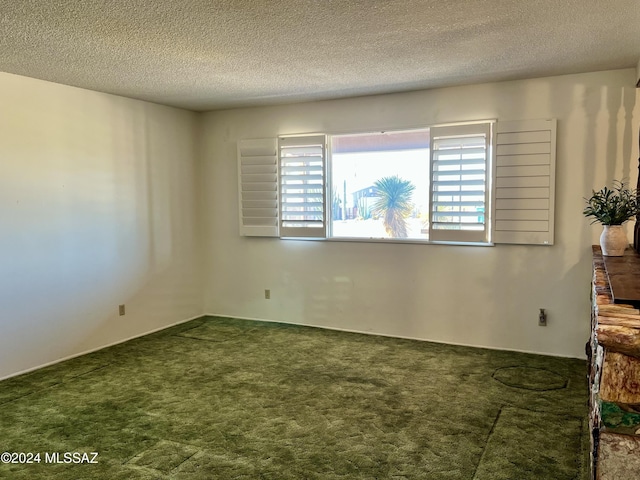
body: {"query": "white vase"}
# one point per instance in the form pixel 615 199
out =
pixel 613 241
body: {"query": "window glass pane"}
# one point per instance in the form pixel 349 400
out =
pixel 380 185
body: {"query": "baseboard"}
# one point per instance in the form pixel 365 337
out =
pixel 324 327
pixel 64 359
pixel 395 336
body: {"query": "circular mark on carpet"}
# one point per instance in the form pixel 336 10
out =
pixel 530 378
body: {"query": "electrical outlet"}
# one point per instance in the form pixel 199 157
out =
pixel 542 318
pixel 121 309
pixel 267 294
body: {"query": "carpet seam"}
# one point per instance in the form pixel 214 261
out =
pixel 189 329
pixel 69 380
pixel 17 398
pixel 188 458
pixel 205 339
pixel 486 443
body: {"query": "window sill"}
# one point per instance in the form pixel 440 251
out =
pixel 392 241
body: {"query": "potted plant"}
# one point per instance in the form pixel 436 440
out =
pixel 612 207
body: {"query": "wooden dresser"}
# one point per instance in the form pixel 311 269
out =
pixel 614 373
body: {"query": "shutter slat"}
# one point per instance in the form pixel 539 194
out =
pixel 455 150
pixel 456 162
pixel 293 224
pixel 471 183
pixel 293 197
pixel 540 136
pixel 522 225
pixel 259 186
pixel 268 168
pixel 521 182
pixel 250 178
pixel 260 212
pixel 523 149
pixel 261 222
pixel 437 204
pixel 297 178
pixel 292 205
pixel 441 215
pixel 301 170
pixel 460 173
pixel 260 160
pixel 522 215
pixel 437 195
pixel 259 204
pixel 523 171
pixel 514 160
pixel 263 195
pixel 522 204
pixel 522 193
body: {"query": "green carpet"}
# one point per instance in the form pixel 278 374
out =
pixel 219 398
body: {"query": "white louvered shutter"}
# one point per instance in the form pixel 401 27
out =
pixel 525 182
pixel 459 182
pixel 258 187
pixel 302 186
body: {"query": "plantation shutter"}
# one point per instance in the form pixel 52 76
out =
pixel 258 187
pixel 459 182
pixel 525 182
pixel 302 186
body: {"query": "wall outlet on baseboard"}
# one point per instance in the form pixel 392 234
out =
pixel 267 294
pixel 121 309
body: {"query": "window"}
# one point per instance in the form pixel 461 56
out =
pixel 380 185
pixel 417 185
pixel 437 184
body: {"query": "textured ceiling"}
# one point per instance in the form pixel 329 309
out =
pixel 211 54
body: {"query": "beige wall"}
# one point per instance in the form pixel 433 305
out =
pixel 486 296
pixel 97 208
pixel 103 201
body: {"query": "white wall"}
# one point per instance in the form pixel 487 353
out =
pixel 97 208
pixel 486 296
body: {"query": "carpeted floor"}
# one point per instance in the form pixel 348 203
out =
pixel 219 398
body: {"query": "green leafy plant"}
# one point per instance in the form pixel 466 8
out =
pixel 612 206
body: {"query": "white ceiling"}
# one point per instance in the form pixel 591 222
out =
pixel 212 54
